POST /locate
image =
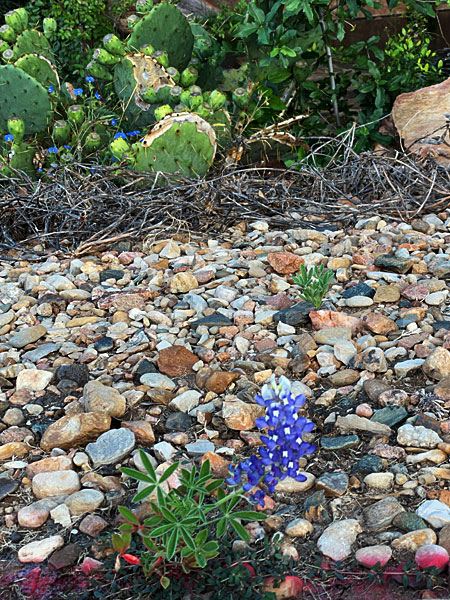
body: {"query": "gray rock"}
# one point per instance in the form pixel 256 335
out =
pixel 186 401
pixel 403 368
pixel 28 335
pixel 333 484
pixel 111 446
pixel 340 442
pixel 434 512
pixel 355 423
pixel 380 515
pixel 7 486
pixel 163 451
pixel 40 352
pixel 390 415
pixel 156 380
pixel 295 315
pixel 200 447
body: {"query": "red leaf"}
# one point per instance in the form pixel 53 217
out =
pixel 133 560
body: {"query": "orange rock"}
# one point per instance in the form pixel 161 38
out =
pixel 378 323
pixel 239 415
pixel 329 318
pixel 215 381
pixel 285 262
pixel 142 430
pixel 13 449
pixel 46 465
pixel 219 465
pixel 75 430
pixel 176 361
pixel 444 497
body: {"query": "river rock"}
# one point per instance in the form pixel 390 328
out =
pixel 75 430
pixel 111 446
pixel 55 483
pixel 337 539
pixel 38 551
pixel 99 398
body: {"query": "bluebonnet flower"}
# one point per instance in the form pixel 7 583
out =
pixel 97 95
pixel 284 444
pixel 89 79
pixel 9 137
pixel 113 122
pixel 78 91
pixel 120 134
pixel 53 150
pixel 51 89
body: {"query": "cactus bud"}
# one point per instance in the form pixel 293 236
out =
pixel 76 114
pixel 61 132
pixel 189 76
pixel 195 97
pixel 162 111
pixel 162 57
pixel 119 147
pixel 174 74
pixel 132 20
pixel 7 33
pixel 217 99
pixel 113 45
pixel 163 93
pixel 143 6
pixel 8 55
pixel 147 49
pixel 175 93
pixel 184 97
pixel 49 26
pixel 241 97
pixel 16 127
pixel 203 110
pixel 17 19
pixel 180 108
pixel 104 57
pixel 203 46
pixel 149 95
pixel 4 46
pixel 93 142
pixel 99 71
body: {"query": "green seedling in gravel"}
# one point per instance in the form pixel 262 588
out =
pixel 314 283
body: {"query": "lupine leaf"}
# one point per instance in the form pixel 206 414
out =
pixel 128 515
pixel 168 472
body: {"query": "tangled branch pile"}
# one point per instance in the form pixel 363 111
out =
pixel 77 209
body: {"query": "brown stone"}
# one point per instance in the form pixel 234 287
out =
pixel 92 525
pixel 142 430
pixel 219 465
pixel 329 318
pixel 103 483
pixel 419 115
pixel 344 377
pixel 215 381
pixel 378 323
pixel 437 365
pixel 387 293
pixel 66 557
pixel 279 301
pixel 75 430
pixel 176 361
pixel 15 434
pixel 442 389
pixel 285 262
pixel 125 300
pixel 46 465
pixel 374 388
pixel 444 537
pixel 13 449
pixel 239 415
pixel 21 397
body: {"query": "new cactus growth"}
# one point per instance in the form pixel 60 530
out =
pixel 7 33
pixel 49 26
pixel 216 100
pixel 33 42
pixel 132 20
pixel 23 97
pixel 98 71
pixel 119 147
pixel 174 74
pixel 143 6
pixel 175 93
pixel 76 114
pixel 8 55
pixel 195 97
pixel 147 49
pixel 93 142
pixel 61 132
pixel 241 97
pixel 40 68
pixel 166 28
pixel 163 111
pixel 113 45
pixel 104 57
pixel 189 76
pixel 17 19
pixel 21 154
pixel 16 128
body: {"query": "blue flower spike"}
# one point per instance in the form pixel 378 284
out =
pixel 283 444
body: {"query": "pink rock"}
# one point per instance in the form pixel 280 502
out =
pixel 432 555
pixel 329 318
pixel 364 410
pixel 279 301
pixel 289 589
pixel 126 258
pixel 371 555
pixel 89 565
pixel 415 292
pixel 285 262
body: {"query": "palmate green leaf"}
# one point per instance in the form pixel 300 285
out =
pixel 188 539
pixel 161 498
pixel 168 515
pixel 201 537
pixel 201 560
pixel 249 515
pixel 134 474
pixel 214 485
pixel 205 470
pixel 147 464
pixel 210 547
pixel 172 544
pixel 144 493
pixel 161 530
pixel 240 530
pixel 128 515
pixel 127 528
pixel 221 526
pixel 168 472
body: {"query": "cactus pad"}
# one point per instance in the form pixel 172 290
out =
pixel 165 28
pixel 33 42
pixel 181 143
pixel 40 68
pixel 134 74
pixel 24 97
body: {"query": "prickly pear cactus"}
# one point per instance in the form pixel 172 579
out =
pixel 33 42
pixel 182 143
pixel 165 28
pixel 40 68
pixel 133 76
pixel 23 97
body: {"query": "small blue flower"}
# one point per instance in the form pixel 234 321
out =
pixel 113 122
pixel 53 150
pixel 97 95
pixel 90 79
pixel 78 91
pixel 40 170
pixel 9 137
pixel 119 135
pixel 51 89
pixel 115 159
pixel 67 147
